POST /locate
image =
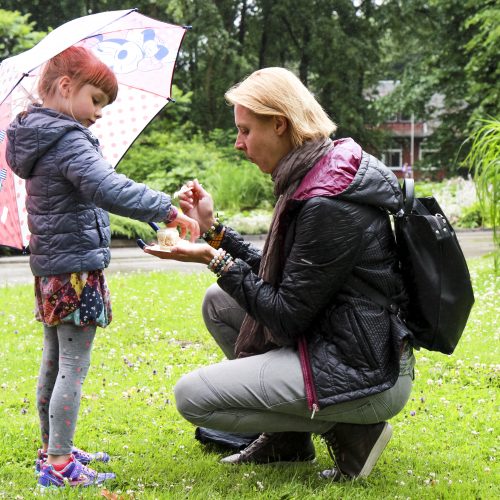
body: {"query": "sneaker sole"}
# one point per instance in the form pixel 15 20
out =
pixel 377 450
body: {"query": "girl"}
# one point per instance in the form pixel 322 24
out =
pixel 69 188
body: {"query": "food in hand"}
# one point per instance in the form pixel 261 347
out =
pixel 167 237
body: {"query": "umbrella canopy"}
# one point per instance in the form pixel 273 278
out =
pixel 142 53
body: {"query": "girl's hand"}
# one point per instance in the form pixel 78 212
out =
pixel 187 224
pixel 197 203
pixel 201 253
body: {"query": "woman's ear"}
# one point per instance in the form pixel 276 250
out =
pixel 280 124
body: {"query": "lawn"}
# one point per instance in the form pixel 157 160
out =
pixel 444 445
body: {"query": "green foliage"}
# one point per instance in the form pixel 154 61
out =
pixel 443 444
pixel 484 161
pixel 16 33
pixel 250 222
pixel 166 156
pixel 164 162
pixel 471 217
pixel 123 227
pixel 447 61
pixel 482 69
pixel 240 186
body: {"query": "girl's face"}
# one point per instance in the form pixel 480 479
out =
pixel 264 140
pixel 86 104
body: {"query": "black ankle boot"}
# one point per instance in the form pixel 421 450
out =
pixel 276 447
pixel 355 449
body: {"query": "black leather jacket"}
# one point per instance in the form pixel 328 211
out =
pixel 349 346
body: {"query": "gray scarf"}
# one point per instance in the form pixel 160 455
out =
pixel 254 338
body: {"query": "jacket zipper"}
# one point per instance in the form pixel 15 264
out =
pixel 312 398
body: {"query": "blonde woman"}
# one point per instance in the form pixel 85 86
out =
pixel 308 353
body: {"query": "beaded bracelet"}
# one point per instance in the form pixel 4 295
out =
pixel 222 264
pixel 217 258
pixel 219 262
pixel 218 271
pixel 214 235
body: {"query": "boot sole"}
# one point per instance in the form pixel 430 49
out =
pixel 377 450
pixel 279 463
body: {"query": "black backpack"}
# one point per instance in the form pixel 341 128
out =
pixel 435 274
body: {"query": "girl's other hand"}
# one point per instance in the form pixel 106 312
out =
pixel 187 225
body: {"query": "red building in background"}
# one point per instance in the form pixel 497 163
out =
pixel 407 143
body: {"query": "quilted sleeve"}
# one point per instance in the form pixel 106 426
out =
pixel 327 241
pixel 97 181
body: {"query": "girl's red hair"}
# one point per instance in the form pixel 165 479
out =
pixel 82 66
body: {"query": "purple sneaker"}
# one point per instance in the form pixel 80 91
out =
pixel 74 474
pixel 85 457
pixel 82 456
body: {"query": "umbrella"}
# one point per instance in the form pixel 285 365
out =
pixel 141 51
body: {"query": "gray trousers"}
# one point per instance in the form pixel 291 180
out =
pixel 266 393
pixel 65 363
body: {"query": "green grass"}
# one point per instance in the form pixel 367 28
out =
pixel 444 445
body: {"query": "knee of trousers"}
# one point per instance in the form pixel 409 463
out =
pixel 189 392
pixel 208 306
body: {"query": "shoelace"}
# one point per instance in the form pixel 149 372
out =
pixel 82 453
pixel 262 440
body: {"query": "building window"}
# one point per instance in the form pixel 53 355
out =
pixel 426 152
pixel 393 158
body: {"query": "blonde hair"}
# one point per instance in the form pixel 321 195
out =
pixel 278 92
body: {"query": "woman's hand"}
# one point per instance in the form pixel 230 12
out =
pixel 187 224
pixel 184 251
pixel 197 203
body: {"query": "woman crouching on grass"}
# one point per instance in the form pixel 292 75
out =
pixel 308 352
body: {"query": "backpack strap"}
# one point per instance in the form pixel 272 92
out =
pixel 408 195
pixel 373 294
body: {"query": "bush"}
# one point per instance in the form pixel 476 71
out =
pixel 123 227
pixel 471 217
pixel 254 222
pixel 238 186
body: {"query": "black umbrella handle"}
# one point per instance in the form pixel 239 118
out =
pixel 140 242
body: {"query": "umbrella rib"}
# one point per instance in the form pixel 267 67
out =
pixel 148 91
pixel 102 32
pixel 98 31
pixel 24 75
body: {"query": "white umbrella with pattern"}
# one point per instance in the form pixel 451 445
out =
pixel 142 53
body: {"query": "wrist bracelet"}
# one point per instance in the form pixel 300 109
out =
pixel 223 265
pixel 219 262
pixel 217 258
pixel 214 234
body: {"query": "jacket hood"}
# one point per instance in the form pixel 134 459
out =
pixel 32 134
pixel 351 174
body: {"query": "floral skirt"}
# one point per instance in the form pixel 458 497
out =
pixel 78 298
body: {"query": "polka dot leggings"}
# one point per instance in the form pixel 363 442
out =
pixel 65 363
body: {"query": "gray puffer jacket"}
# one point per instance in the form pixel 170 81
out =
pixel 70 188
pixel 335 227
